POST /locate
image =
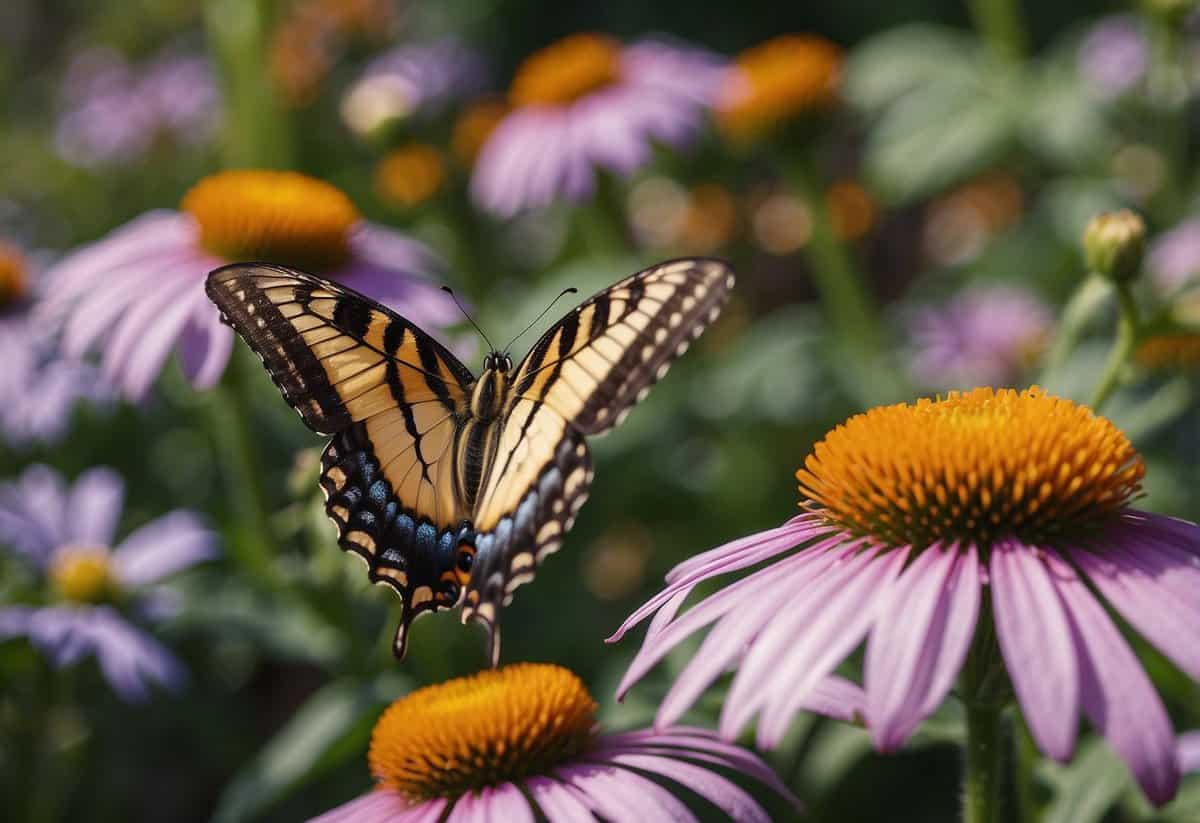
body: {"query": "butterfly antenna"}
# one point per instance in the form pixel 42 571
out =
pixel 470 319
pixel 561 295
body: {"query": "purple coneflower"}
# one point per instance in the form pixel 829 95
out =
pixel 1174 257
pixel 139 292
pixel 521 743
pixel 984 336
pixel 413 81
pixel 114 112
pixel 585 104
pixel 990 522
pixel 1113 57
pixel 68 536
pixel 38 388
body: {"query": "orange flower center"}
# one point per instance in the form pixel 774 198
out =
pixel 474 127
pixel 13 281
pixel 973 466
pixel 409 175
pixel 1178 350
pixel 496 726
pixel 272 216
pixel 565 71
pixel 777 80
pixel 82 574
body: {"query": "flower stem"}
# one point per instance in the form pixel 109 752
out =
pixel 983 770
pixel 999 23
pixel 1026 759
pixel 252 542
pixel 1122 348
pixel 1079 309
pixel 256 131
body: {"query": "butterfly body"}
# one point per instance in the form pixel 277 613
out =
pixel 454 488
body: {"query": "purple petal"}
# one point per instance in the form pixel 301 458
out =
pixel 1035 639
pixel 824 643
pixel 382 806
pixel 1133 582
pixel 163 547
pixel 204 347
pixel 714 788
pixel 131 659
pixel 838 698
pixel 33 515
pixel 909 664
pixel 164 333
pixel 1189 752
pixel 623 796
pixel 14 621
pixel 560 803
pixel 1115 693
pixel 95 507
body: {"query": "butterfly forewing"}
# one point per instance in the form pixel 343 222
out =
pixel 580 378
pixel 390 394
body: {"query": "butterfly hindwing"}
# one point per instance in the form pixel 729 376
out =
pixel 390 395
pixel 598 361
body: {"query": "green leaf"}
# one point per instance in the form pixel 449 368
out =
pixel 1087 787
pixel 1064 124
pixel 942 134
pixel 331 726
pixel 896 62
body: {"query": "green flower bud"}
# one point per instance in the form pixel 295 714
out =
pixel 1113 245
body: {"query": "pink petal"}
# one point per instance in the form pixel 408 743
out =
pixel 378 806
pixel 907 652
pixel 1189 752
pixel 1035 639
pixel 825 642
pixel 623 796
pixel 1135 585
pixel 205 346
pixel 558 802
pixel 719 791
pixel 1115 693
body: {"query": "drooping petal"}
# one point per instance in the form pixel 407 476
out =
pixel 492 803
pixel 910 666
pixel 131 659
pixel 1035 639
pixel 721 792
pixel 557 801
pixel 825 642
pixel 163 547
pixel 1131 581
pixel 382 806
pixel 623 796
pixel 1115 692
pixel 205 346
pixel 95 507
pixel 1189 752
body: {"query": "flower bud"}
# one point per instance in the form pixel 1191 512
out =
pixel 1113 245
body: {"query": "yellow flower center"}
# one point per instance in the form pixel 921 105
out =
pixel 474 127
pixel 409 175
pixel 272 216
pixel 13 281
pixel 565 71
pixel 82 574
pixel 1179 350
pixel 496 726
pixel 974 466
pixel 777 80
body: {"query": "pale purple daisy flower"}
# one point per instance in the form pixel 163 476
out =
pixel 984 336
pixel 1114 56
pixel 113 112
pixel 39 389
pixel 413 81
pixel 68 535
pixel 919 515
pixel 1174 256
pixel 588 104
pixel 139 292
pixel 525 747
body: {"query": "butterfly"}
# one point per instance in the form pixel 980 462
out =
pixel 454 488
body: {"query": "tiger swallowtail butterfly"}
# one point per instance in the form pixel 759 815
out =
pixel 454 488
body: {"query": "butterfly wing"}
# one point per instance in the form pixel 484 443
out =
pixel 580 378
pixel 391 397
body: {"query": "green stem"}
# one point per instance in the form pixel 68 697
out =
pixel 252 541
pixel 983 770
pixel 1090 295
pixel 999 23
pixel 1026 759
pixel 1122 348
pixel 256 131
